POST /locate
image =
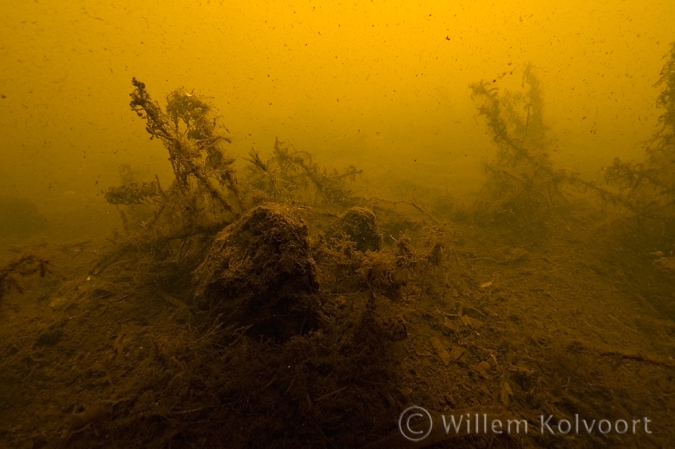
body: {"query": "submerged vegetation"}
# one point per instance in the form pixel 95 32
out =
pixel 293 176
pixel 647 188
pixel 522 184
pixel 202 173
pixel 524 187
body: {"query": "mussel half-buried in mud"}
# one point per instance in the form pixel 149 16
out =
pixel 359 224
pixel 259 272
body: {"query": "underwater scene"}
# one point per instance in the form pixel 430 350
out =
pixel 369 224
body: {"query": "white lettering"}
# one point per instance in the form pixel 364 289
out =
pixel 605 431
pixel 455 424
pixel 647 420
pixel 589 429
pixel 564 426
pixel 517 423
pixel 544 424
pixel 624 424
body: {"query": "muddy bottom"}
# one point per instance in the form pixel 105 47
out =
pixel 560 326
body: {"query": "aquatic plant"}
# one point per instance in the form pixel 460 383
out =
pixel 647 188
pixel 663 153
pixel 202 171
pixel 292 175
pixel 170 224
pixel 522 185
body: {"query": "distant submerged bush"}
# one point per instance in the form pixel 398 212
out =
pixel 647 187
pixel 522 184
